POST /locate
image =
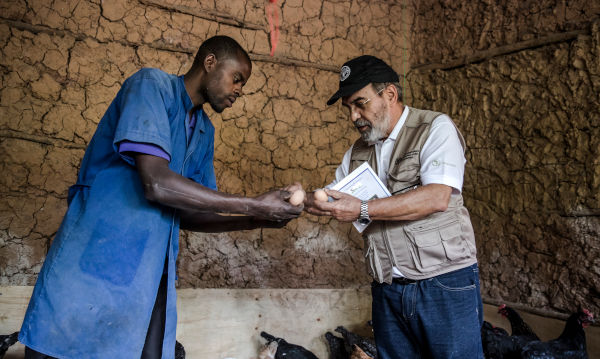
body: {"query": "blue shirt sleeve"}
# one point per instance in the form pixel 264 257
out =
pixel 126 147
pixel 143 112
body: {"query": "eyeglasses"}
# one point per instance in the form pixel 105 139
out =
pixel 360 104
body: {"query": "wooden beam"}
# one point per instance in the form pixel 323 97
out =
pixel 159 45
pixel 478 56
pixel 43 140
pixel 293 62
pixel 206 14
pixel 526 308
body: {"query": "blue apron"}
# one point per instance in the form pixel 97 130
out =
pixel 94 295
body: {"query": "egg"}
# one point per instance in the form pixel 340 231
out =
pixel 293 187
pixel 297 197
pixel 320 195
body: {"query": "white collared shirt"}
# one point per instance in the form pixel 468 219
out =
pixel 442 157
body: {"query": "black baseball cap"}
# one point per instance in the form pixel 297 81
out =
pixel 361 71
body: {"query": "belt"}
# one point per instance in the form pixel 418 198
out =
pixel 403 280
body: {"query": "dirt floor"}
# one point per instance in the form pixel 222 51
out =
pixel 225 323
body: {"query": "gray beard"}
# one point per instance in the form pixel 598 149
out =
pixel 378 130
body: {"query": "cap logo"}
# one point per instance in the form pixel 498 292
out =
pixel 344 73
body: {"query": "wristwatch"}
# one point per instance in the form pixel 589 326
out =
pixel 363 217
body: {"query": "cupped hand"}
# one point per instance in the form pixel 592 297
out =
pixel 344 207
pixel 311 207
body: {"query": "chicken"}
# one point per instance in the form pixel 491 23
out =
pixel 337 349
pixel 358 353
pixel 179 351
pixel 268 351
pixel 488 327
pixel 517 324
pixel 496 342
pixel 286 350
pixel 6 341
pixel 569 345
pixel 366 344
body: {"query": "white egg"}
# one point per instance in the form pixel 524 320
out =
pixel 320 195
pixel 297 198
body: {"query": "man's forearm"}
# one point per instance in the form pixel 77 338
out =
pixel 411 205
pixel 163 186
pixel 214 223
pixel 172 190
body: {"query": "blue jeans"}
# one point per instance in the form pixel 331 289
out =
pixel 439 317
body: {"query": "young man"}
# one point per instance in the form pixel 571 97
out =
pixel 420 246
pixel 107 287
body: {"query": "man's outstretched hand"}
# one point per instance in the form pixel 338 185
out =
pixel 274 206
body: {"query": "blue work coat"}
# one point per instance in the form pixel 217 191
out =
pixel 96 290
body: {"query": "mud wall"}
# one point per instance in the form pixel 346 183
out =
pixel 522 81
pixel 62 62
pixel 520 78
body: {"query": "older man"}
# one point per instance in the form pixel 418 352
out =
pixel 419 245
pixel 107 287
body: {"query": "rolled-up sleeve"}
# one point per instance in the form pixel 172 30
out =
pixel 143 116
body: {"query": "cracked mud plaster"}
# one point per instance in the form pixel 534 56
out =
pixel 63 61
pixel 532 178
pixel 447 29
pixel 532 181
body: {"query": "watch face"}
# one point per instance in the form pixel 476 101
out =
pixel 364 220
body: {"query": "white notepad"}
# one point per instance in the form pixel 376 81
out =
pixel 364 184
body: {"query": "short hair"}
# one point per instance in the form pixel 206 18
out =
pixel 223 47
pixel 378 86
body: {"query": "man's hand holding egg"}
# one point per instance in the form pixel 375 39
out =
pixel 320 195
pixel 297 194
pixel 314 202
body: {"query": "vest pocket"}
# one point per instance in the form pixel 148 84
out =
pixel 403 178
pixel 435 243
pixel 372 261
pixel 406 172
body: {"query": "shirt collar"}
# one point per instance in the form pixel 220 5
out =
pixel 185 97
pixel 399 124
pixel 201 119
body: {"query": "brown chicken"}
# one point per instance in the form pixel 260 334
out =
pixel 358 353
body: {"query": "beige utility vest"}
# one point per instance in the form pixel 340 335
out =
pixel 436 244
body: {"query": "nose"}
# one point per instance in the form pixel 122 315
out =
pixel 354 114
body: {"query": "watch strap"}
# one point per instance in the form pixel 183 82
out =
pixel 364 211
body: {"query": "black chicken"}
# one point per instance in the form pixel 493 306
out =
pixel 286 350
pixel 517 324
pixel 496 342
pixel 366 344
pixel 6 341
pixel 179 350
pixel 488 328
pixel 337 350
pixel 569 345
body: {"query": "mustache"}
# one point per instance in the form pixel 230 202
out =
pixel 361 123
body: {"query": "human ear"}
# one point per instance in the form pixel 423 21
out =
pixel 210 62
pixel 391 93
